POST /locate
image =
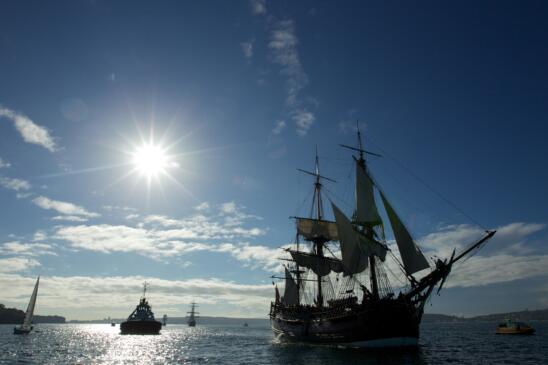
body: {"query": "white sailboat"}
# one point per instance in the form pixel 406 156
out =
pixel 26 327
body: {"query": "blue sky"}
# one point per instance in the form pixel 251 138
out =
pixel 239 94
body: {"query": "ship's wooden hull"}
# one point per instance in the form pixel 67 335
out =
pixel 140 327
pixel 385 323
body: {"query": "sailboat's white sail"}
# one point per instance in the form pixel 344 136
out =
pixel 27 322
pixel 366 210
pixel 412 257
pixel 291 291
pixel 312 229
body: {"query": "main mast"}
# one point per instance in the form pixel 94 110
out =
pixel 368 230
pixel 318 243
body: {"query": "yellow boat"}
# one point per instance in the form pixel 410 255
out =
pixel 510 327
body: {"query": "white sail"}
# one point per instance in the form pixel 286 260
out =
pixel 321 266
pixel 412 257
pixel 353 259
pixel 366 210
pixel 27 322
pixel 291 291
pixel 312 229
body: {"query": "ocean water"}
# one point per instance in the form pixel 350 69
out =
pixel 445 343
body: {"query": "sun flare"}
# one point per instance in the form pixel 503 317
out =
pixel 150 160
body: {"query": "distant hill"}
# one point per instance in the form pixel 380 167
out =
pixel 525 315
pixel 220 321
pixel 431 317
pixel 16 316
pixel 264 322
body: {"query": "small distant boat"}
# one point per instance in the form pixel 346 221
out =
pixel 113 324
pixel 26 327
pixel 164 320
pixel 510 327
pixel 192 315
pixel 245 324
pixel 141 321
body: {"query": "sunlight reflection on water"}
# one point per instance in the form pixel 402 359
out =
pixel 463 343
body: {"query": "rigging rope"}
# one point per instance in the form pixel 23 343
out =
pixel 419 179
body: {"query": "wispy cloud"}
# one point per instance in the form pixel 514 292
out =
pixel 30 131
pixel 202 207
pixel 14 183
pixel 65 208
pixel 283 45
pixel 16 264
pixel 69 218
pixel 4 163
pixel 304 120
pixel 258 7
pixel 279 127
pixel 26 249
pixel 247 49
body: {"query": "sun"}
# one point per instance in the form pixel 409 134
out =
pixel 151 160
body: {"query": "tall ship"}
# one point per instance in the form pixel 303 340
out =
pixel 141 321
pixel 26 327
pixel 192 315
pixel 337 288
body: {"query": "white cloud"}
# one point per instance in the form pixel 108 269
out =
pixel 30 131
pixel 14 184
pixel 160 237
pixel 16 264
pixel 39 236
pixel 27 249
pixel 279 127
pixel 304 120
pixel 4 163
pixel 79 297
pixel 228 208
pixel 283 44
pixel 202 207
pixel 247 49
pixel 69 218
pixel 258 7
pixel 65 208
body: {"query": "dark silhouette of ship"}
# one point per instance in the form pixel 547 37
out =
pixel 192 315
pixel 141 321
pixel 337 289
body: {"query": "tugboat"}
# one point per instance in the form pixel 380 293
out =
pixel 27 327
pixel 510 327
pixel 192 315
pixel 141 321
pixel 337 287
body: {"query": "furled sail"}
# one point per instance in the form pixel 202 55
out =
pixel 320 265
pixel 312 229
pixel 412 257
pixel 353 259
pixel 366 210
pixel 27 322
pixel 291 291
